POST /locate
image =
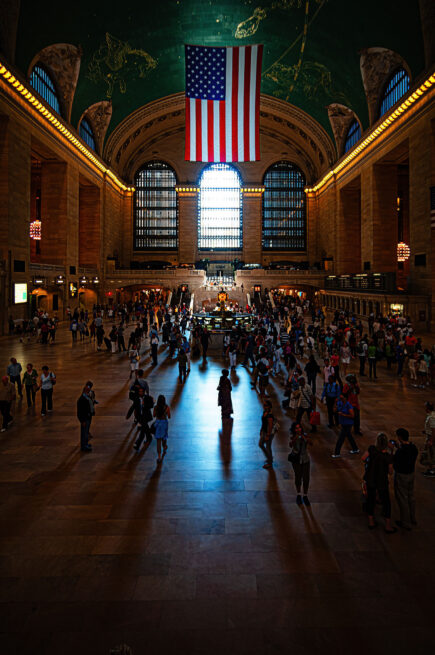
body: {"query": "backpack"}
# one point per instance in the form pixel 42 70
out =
pixel 360 348
pixel 262 368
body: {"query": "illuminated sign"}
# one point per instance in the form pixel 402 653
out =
pixel 20 293
pixel 72 289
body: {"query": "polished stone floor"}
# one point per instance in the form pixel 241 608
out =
pixel 207 553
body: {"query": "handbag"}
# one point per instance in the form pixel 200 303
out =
pixel 153 428
pixel 293 457
pixel 314 418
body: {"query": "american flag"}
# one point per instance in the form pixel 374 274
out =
pixel 223 103
pixel 432 207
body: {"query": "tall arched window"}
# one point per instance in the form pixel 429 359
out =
pixel 41 81
pixel 395 88
pixel 353 135
pixel 220 209
pixel 87 133
pixel 284 208
pixel 155 225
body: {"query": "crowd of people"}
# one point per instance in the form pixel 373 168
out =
pixel 291 341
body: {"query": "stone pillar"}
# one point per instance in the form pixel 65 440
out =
pixel 252 224
pixel 379 217
pixel 348 259
pixel 14 214
pixel 427 15
pixel 421 237
pixel 89 226
pixel 187 224
pixel 127 242
pixel 59 213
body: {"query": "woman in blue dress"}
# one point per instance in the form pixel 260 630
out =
pixel 162 414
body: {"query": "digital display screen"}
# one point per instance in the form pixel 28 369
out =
pixel 20 293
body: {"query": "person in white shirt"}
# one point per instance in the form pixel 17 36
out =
pixel 46 383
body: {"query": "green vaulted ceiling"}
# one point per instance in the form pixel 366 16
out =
pixel 133 51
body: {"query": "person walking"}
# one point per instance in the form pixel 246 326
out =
pixel 378 466
pixel 331 393
pixel 267 433
pixel 306 402
pixel 144 403
pixel 371 352
pixel 85 410
pixel 300 460
pixel 14 371
pixel 351 389
pixel 345 420
pixel 224 396
pixel 121 341
pixel 46 384
pixel 30 384
pixel 361 351
pixel 312 369
pixel 232 353
pixel 162 414
pixel 7 398
pixel 182 364
pixel 404 458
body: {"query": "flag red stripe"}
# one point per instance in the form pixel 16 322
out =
pixel 198 130
pixel 235 104
pixel 210 130
pixel 187 148
pixel 222 130
pixel 248 52
pixel 257 103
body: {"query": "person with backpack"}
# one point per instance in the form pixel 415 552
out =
pixel 300 460
pixel 267 433
pixel 46 384
pixel 378 467
pixel 143 404
pixel 331 392
pixel 345 420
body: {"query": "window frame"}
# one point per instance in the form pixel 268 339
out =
pixel 44 85
pixel 347 146
pixel 385 93
pixel 291 166
pixel 138 187
pixel 238 248
pixel 89 133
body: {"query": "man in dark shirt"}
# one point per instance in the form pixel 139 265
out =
pixel 404 458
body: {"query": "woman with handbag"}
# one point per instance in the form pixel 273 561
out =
pixel 30 384
pixel 300 460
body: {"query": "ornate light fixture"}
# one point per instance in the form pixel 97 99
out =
pixel 403 252
pixel 35 230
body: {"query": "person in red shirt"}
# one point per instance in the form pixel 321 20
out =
pixel 334 361
pixel 351 389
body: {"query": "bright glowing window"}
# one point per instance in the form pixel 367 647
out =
pixel 44 85
pixel 155 208
pixel 220 209
pixel 353 135
pixel 396 87
pixel 284 208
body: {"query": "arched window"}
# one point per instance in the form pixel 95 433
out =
pixel 353 135
pixel 155 225
pixel 220 209
pixel 87 133
pixel 44 85
pixel 395 88
pixel 284 208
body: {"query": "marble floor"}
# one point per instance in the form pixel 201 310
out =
pixel 207 553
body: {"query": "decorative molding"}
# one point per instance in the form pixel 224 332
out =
pixel 377 64
pixel 341 118
pixel 99 115
pixel 63 61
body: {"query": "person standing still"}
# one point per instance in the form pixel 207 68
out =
pixel 46 384
pixel 404 458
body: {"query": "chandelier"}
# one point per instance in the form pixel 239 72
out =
pixel 35 230
pixel 403 252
